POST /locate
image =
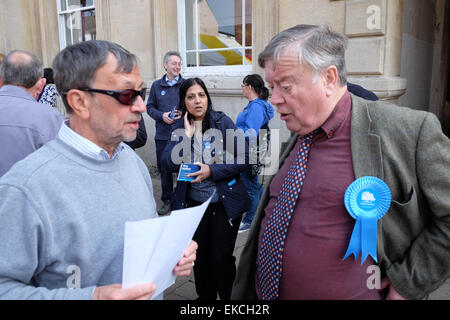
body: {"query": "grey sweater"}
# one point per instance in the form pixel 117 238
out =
pixel 62 219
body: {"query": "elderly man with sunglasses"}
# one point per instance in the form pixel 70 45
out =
pixel 63 209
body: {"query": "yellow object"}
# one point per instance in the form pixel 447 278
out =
pixel 231 56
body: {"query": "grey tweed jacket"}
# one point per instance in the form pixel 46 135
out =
pixel 408 150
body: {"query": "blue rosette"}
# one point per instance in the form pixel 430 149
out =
pixel 367 200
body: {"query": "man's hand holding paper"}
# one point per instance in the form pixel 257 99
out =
pixel 184 266
pixel 153 247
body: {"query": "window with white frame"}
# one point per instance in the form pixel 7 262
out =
pixel 215 36
pixel 76 19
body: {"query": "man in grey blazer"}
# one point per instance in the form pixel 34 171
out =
pixel 305 68
pixel 25 124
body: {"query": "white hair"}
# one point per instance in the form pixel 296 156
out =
pixel 318 47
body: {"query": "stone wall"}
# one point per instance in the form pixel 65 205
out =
pixel 391 43
pixel 374 31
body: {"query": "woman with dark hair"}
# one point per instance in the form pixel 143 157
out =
pixel 49 93
pixel 205 129
pixel 255 116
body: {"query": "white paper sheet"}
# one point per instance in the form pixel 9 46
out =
pixel 153 247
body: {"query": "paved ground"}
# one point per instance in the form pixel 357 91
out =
pixel 184 287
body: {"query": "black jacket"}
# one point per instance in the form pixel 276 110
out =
pixel 226 175
pixel 141 136
pixel 161 99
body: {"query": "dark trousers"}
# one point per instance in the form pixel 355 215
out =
pixel 215 267
pixel 166 177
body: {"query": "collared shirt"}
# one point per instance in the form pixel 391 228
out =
pixel 172 82
pixel 85 146
pixel 320 228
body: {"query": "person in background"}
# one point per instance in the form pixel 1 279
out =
pixel 49 94
pixel 359 91
pixel 64 207
pixel 164 95
pixel 25 124
pixel 339 138
pixel 255 115
pixel 215 267
pixel 141 136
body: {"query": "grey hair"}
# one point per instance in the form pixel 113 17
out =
pixel 319 47
pixel 169 54
pixel 75 66
pixel 21 68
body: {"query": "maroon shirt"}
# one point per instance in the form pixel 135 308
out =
pixel 320 228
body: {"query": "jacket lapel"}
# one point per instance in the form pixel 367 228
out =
pixel 365 144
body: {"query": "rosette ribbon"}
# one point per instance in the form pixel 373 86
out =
pixel 367 200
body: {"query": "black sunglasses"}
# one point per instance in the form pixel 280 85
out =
pixel 127 97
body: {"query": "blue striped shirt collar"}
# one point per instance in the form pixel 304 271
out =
pixel 172 82
pixel 85 146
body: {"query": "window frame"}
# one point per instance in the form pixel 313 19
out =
pixel 61 20
pixel 230 70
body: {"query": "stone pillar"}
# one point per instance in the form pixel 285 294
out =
pixel 374 28
pixel 103 19
pixel 35 28
pixel 48 22
pixel 128 23
pixel 264 26
pixel 164 32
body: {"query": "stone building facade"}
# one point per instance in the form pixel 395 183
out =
pixel 397 48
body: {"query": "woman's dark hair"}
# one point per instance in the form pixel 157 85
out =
pixel 182 106
pixel 48 75
pixel 258 85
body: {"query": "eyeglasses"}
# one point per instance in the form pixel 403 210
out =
pixel 127 97
pixel 243 85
